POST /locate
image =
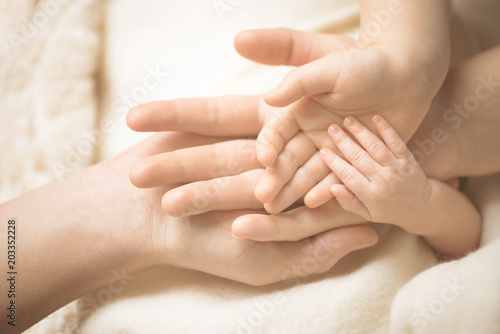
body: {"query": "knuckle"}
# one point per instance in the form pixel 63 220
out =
pixel 399 146
pixel 357 156
pixel 344 141
pixel 346 173
pixel 407 168
pixel 375 146
pixel 212 112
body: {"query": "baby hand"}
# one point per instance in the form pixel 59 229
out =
pixel 357 81
pixel 382 182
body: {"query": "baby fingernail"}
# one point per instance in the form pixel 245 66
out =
pixel 349 121
pixel 377 118
pixel 333 129
pixel 324 152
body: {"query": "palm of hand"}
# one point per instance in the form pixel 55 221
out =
pixel 362 82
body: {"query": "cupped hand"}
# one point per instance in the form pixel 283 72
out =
pixel 202 173
pixel 204 242
pixel 337 77
pixel 222 175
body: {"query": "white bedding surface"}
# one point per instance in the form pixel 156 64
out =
pixel 191 42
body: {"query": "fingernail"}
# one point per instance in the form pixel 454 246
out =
pixel 235 236
pixel 324 152
pixel 377 118
pixel 349 121
pixel 333 129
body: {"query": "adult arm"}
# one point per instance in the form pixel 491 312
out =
pixel 87 229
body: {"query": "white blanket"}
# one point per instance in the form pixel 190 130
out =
pixel 48 100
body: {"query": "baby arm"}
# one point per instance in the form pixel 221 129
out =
pixel 398 61
pixel 383 183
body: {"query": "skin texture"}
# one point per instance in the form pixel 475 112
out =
pixel 385 73
pixel 460 151
pixel 72 251
pixel 383 183
pixel 92 227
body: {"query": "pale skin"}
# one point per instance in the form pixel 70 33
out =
pixel 130 231
pixel 386 73
pixel 383 183
pixel 81 232
pixel 465 152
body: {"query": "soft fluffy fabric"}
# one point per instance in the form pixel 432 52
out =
pixel 459 296
pixel 49 111
pixel 47 90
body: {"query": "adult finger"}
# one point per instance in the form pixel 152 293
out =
pixel 295 224
pixel 168 141
pixel 182 166
pixel 226 193
pixel 206 244
pixel 282 46
pixel 215 116
pixel 321 252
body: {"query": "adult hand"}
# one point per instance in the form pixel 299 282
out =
pixel 440 143
pixel 81 230
pixel 204 242
pixel 230 170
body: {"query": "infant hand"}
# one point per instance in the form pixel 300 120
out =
pixel 382 182
pixel 357 81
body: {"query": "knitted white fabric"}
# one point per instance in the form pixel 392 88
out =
pixel 48 58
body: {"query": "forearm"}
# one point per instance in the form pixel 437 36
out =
pixel 69 242
pixel 459 136
pixel 417 30
pixel 472 96
pixel 448 222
